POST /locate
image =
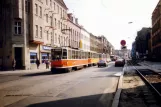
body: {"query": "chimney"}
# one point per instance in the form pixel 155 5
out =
pixel 76 21
pixel 70 17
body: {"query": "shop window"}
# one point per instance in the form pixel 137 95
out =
pixel 33 57
pixel 44 57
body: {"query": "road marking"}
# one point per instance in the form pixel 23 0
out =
pixel 118 74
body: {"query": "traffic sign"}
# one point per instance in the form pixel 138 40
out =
pixel 123 42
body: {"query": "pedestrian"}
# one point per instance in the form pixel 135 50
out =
pixel 47 64
pixel 37 63
pixel 13 64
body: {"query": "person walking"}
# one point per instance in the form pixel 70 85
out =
pixel 37 63
pixel 47 64
pixel 13 64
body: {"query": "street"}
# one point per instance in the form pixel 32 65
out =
pixel 89 87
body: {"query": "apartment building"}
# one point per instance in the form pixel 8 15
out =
pixel 156 32
pixel 85 40
pixel 94 43
pixel 104 44
pixel 30 29
pixel 74 32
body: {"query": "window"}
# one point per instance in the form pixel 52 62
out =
pixel 54 5
pixel 33 57
pixel 51 34
pixel 55 22
pixel 51 21
pixel 17 27
pixel 47 18
pixel 40 32
pixel 1 44
pixel 27 6
pixel 47 35
pixel 50 3
pixel 36 9
pixel 58 9
pixel 61 12
pixel 40 11
pixel 46 2
pixel 55 38
pixel 36 27
pixel 59 24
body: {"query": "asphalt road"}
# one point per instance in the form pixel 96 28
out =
pixel 89 87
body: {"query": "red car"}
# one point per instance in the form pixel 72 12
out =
pixel 119 62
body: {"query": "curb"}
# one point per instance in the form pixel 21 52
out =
pixel 116 99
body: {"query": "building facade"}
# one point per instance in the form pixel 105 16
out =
pixel 156 32
pixel 94 43
pixel 85 40
pixel 104 44
pixel 33 27
pixel 74 32
pixel 142 42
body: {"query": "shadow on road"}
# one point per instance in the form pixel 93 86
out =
pixel 38 74
pixel 111 69
pixel 84 101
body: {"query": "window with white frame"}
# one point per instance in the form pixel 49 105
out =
pixel 55 38
pixel 36 9
pixel 51 21
pixel 47 35
pixel 50 3
pixel 55 22
pixel 57 9
pixel 54 5
pixel 40 11
pixel 51 34
pixel 46 17
pixel 40 32
pixel 36 28
pixel 46 2
pixel 17 27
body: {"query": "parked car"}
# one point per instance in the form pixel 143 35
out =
pixel 102 63
pixel 119 62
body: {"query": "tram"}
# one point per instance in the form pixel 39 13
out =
pixel 65 58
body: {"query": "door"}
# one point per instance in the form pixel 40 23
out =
pixel 18 57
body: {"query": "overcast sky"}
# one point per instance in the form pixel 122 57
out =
pixel 110 17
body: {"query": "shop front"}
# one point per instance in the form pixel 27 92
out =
pixel 45 54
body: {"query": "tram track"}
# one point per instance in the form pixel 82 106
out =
pixel 152 78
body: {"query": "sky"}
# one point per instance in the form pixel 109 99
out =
pixel 110 17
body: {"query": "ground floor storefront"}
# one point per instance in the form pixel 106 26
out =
pixel 25 56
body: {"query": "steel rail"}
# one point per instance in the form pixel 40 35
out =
pixel 159 94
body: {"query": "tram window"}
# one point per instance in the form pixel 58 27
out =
pixel 73 54
pixel 86 54
pixel 76 54
pixel 79 54
pixel 69 54
pixel 56 54
pixel 64 54
pixel 89 56
pixel 82 55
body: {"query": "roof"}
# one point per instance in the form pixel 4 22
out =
pixel 61 2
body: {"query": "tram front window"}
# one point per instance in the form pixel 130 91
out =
pixel 56 54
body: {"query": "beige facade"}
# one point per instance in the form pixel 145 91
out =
pixel 32 28
pixel 74 33
pixel 94 43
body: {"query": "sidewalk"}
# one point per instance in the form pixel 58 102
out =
pixel 24 71
pixel 156 66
